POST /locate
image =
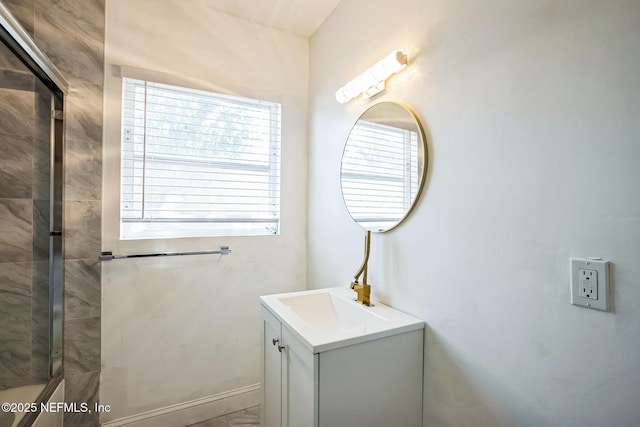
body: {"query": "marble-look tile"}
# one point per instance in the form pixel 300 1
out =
pixel 41 170
pixel 16 80
pixel 82 289
pixel 9 61
pixel 42 142
pixel 82 388
pixel 16 112
pixel 16 216
pixel 82 229
pixel 15 369
pixel 83 173
pixel 15 288
pixel 40 237
pixel 71 33
pixel 83 177
pixel 84 117
pixel 248 417
pixel 16 166
pixel 23 11
pixel 15 318
pixel 81 345
pixel 40 321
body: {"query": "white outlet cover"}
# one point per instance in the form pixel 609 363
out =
pixel 577 266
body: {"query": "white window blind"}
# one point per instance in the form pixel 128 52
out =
pixel 380 175
pixel 197 163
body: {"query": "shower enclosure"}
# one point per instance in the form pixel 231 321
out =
pixel 31 210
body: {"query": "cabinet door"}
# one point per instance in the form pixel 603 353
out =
pixel 272 366
pixel 299 383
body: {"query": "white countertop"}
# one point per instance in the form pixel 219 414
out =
pixel 326 319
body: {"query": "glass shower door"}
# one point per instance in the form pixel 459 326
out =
pixel 25 129
pixel 30 227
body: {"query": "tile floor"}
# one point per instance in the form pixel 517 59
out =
pixel 246 418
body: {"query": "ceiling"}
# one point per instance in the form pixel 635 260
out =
pixel 302 17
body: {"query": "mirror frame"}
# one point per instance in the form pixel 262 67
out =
pixel 423 172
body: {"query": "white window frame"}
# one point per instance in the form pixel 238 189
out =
pixel 158 227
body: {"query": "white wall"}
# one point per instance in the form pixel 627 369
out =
pixel 531 109
pixel 178 329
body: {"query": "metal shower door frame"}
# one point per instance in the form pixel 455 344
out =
pixel 20 43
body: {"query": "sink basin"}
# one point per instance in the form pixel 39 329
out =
pixel 326 319
pixel 330 312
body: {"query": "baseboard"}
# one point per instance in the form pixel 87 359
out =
pixel 183 414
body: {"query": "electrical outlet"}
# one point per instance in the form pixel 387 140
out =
pixel 588 286
pixel 590 283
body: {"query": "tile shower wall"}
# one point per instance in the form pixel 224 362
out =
pixel 71 33
pixel 24 207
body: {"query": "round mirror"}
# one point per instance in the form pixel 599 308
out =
pixel 383 166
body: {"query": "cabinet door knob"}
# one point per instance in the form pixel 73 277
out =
pixel 276 341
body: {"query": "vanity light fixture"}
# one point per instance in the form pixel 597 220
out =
pixel 372 81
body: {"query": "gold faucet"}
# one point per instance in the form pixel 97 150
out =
pixel 363 290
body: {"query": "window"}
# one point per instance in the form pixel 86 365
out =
pixel 197 163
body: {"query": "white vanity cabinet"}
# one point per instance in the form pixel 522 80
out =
pixel 288 380
pixel 370 380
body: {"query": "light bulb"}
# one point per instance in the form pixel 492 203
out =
pixel 372 81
